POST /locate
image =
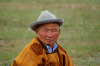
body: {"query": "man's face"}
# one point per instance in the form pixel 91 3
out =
pixel 48 33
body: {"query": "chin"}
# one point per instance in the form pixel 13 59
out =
pixel 49 43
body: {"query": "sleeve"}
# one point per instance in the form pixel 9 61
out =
pixel 70 63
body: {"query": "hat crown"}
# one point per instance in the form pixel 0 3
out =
pixel 44 18
pixel 45 15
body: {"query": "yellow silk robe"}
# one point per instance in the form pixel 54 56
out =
pixel 36 54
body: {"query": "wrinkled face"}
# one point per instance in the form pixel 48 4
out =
pixel 48 33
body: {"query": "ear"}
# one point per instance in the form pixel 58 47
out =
pixel 59 31
pixel 37 30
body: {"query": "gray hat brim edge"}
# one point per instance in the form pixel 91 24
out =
pixel 35 24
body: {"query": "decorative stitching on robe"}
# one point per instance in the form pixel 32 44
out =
pixel 37 48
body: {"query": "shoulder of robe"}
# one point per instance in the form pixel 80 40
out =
pixel 37 48
pixel 59 47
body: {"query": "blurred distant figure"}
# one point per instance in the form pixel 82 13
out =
pixel 44 50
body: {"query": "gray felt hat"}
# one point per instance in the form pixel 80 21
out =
pixel 46 17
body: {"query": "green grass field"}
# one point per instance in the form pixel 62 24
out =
pixel 80 33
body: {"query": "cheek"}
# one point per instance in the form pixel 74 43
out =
pixel 42 35
pixel 56 35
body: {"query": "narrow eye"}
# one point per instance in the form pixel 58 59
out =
pixel 45 30
pixel 54 30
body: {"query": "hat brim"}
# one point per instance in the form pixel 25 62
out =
pixel 35 24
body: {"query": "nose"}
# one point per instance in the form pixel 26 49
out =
pixel 49 34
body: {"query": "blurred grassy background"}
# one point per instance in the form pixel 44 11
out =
pixel 80 33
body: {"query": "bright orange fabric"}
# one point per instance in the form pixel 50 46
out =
pixel 34 54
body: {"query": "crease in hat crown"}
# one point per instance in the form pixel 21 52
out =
pixel 46 17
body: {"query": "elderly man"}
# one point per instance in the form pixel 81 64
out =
pixel 43 50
